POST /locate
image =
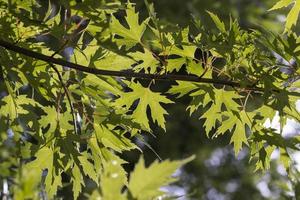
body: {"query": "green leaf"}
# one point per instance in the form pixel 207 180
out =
pixel 27 186
pixel 16 106
pixel 214 113
pixel 87 56
pixel 292 16
pixel 239 137
pixel 112 139
pixel 146 98
pixel 281 4
pixel 44 161
pixel 77 180
pixel 114 62
pixel 26 5
pixel 44 158
pixel 264 157
pixel 49 118
pixel 9 107
pixel 145 183
pixel 183 88
pixel 97 82
pixel 220 25
pixel 53 186
pixel 147 61
pixel 236 124
pixel 187 51
pixel 175 64
pixel 88 168
pixel 112 180
pixel 194 67
pixel 133 34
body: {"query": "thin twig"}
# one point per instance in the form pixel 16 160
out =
pixel 67 94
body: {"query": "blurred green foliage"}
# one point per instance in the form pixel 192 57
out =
pixel 249 13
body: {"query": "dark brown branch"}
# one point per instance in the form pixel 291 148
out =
pixel 126 74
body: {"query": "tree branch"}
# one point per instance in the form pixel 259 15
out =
pixel 126 74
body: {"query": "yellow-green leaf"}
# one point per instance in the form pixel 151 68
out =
pixel 146 98
pixel 292 16
pixel 145 183
pixel 220 25
pixel 133 34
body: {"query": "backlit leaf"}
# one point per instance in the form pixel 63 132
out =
pixel 145 183
pixel 146 99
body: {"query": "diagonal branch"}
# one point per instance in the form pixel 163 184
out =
pixel 68 96
pixel 127 74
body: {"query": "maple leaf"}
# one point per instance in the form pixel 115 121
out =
pixel 113 178
pixel 186 53
pixel 182 88
pixel 44 160
pixel 111 139
pixel 114 61
pixel 49 118
pixel 220 25
pixel 292 17
pixel 88 167
pixel 145 182
pixel 15 106
pixel 148 62
pixel 146 98
pixel 101 84
pixel 214 113
pixel 236 124
pixel 212 116
pixel 77 180
pixel 55 120
pixel 85 56
pixel 175 64
pixel 132 35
